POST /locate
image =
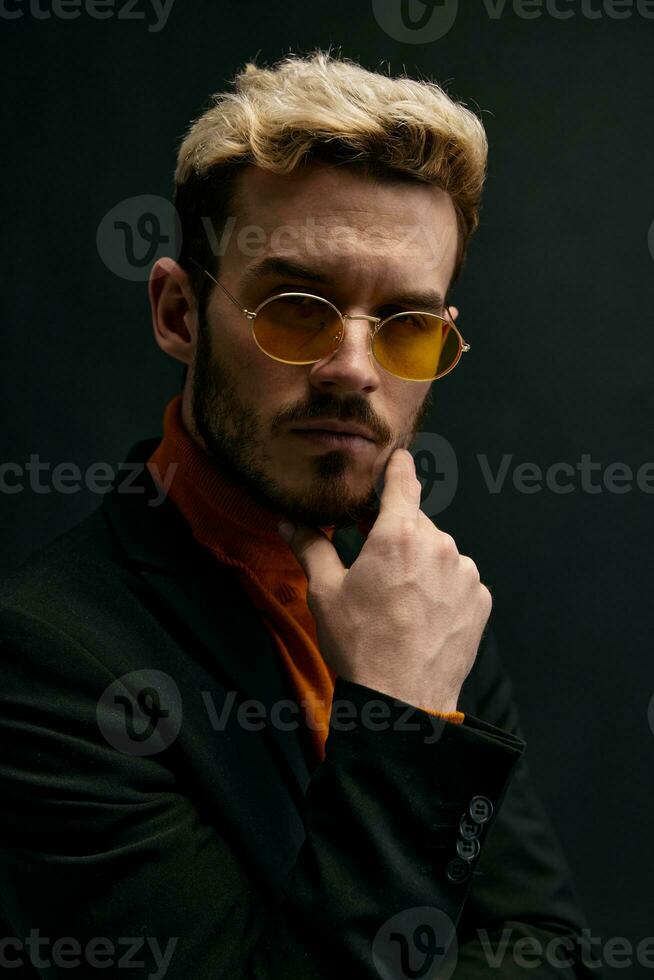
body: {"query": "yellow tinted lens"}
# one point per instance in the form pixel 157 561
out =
pixel 416 346
pixel 299 329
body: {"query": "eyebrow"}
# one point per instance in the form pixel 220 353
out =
pixel 424 300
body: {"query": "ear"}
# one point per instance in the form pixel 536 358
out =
pixel 454 311
pixel 174 310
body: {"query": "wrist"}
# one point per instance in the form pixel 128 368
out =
pixel 444 705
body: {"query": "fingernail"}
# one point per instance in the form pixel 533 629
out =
pixel 286 530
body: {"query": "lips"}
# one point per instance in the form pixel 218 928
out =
pixel 338 428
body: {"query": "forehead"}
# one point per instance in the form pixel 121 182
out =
pixel 347 220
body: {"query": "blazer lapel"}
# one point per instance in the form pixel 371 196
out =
pixel 206 597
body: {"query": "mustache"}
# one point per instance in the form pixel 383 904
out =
pixel 343 410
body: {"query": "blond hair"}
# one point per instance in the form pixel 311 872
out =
pixel 326 107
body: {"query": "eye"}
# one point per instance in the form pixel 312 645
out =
pixel 293 300
pixel 403 319
pixel 300 303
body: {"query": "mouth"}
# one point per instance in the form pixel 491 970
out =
pixel 354 438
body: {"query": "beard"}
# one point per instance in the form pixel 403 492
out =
pixel 233 436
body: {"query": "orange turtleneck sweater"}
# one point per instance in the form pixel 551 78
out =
pixel 241 533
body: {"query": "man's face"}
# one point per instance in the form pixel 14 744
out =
pixel 365 245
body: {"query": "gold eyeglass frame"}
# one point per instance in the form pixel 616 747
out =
pixel 378 322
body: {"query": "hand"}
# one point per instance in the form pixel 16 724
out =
pixel 407 618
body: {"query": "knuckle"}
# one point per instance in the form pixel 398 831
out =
pixel 394 541
pixel 470 567
pixel 405 529
pixel 485 598
pixel 447 545
pixel 408 526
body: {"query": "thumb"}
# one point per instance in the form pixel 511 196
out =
pixel 315 553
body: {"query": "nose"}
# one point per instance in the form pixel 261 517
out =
pixel 351 367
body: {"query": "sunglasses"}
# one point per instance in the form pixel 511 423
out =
pixel 300 328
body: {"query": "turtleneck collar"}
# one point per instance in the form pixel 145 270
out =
pixel 222 513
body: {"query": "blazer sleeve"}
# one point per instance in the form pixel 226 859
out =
pixel 523 914
pixel 109 861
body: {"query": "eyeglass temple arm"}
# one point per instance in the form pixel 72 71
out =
pixel 226 291
pixel 464 346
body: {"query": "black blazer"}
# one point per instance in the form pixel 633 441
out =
pixel 174 823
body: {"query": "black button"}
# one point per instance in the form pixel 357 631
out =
pixel 480 809
pixel 457 870
pixel 468 849
pixel 469 828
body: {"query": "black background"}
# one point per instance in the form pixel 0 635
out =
pixel 556 301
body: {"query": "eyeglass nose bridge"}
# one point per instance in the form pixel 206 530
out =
pixel 376 320
pixel 361 316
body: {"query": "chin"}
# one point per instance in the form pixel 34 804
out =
pixel 330 501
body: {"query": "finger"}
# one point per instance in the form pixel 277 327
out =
pixel 400 498
pixel 317 556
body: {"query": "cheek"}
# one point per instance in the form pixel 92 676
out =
pixel 231 339
pixel 262 383
pixel 421 397
pixel 236 352
pixel 406 400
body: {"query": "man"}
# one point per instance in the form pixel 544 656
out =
pixel 259 728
